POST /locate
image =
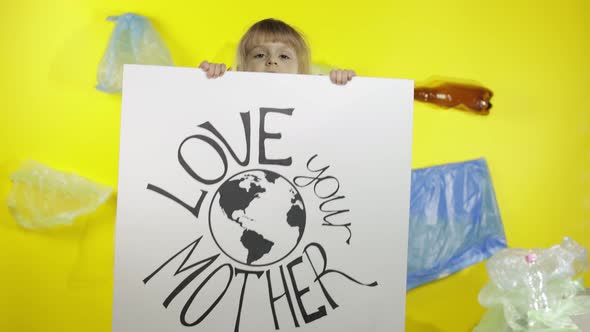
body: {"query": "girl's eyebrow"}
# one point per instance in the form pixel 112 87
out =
pixel 257 48
pixel 287 49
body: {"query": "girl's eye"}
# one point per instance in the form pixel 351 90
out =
pixel 258 56
pixel 285 57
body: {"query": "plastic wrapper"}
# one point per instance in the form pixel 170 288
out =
pixel 43 198
pixel 535 290
pixel 454 220
pixel 133 41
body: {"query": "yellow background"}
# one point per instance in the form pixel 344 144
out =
pixel 534 55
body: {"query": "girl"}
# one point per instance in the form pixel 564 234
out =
pixel 273 46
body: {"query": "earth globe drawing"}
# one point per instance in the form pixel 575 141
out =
pixel 257 217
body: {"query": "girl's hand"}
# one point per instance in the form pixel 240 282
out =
pixel 213 70
pixel 341 76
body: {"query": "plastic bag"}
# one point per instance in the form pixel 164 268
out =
pixel 509 268
pixel 534 290
pixel 454 220
pixel 43 198
pixel 133 41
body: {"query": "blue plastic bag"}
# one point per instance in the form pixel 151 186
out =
pixel 133 41
pixel 454 220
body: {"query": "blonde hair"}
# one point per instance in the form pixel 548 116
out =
pixel 272 30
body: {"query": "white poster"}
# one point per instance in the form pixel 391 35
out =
pixel 261 202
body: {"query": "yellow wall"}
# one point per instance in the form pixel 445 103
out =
pixel 534 56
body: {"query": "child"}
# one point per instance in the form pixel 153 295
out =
pixel 272 46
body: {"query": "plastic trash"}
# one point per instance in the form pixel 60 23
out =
pixel 133 41
pixel 535 290
pixel 467 97
pixel 43 198
pixel 535 279
pixel 454 220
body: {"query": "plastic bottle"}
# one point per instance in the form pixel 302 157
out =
pixel 536 284
pixel 463 96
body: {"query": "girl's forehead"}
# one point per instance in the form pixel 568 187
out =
pixel 269 41
pixel 280 45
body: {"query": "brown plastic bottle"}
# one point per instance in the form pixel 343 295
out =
pixel 462 96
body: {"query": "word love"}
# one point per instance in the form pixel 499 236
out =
pixel 263 135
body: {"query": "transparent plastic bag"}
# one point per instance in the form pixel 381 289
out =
pixel 509 268
pixel 133 41
pixel 454 220
pixel 43 198
pixel 535 290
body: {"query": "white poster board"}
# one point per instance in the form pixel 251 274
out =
pixel 257 202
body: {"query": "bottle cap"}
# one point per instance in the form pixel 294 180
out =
pixel 531 257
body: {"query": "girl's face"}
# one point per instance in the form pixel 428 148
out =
pixel 272 57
